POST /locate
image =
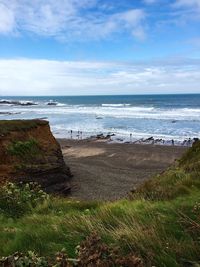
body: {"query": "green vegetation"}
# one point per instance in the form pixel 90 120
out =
pixel 7 126
pixel 92 252
pixel 20 260
pixel 18 200
pixel 25 150
pixel 180 180
pixel 160 225
pixel 163 233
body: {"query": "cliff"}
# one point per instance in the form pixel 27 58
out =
pixel 29 152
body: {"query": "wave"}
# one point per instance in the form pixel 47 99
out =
pixel 115 105
pixel 61 105
pixel 54 103
pixel 141 121
pixel 104 111
pixel 129 112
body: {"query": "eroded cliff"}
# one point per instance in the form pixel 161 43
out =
pixel 29 152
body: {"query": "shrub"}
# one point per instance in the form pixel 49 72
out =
pixel 191 157
pixel 24 150
pixel 93 252
pixel 16 200
pixel 20 260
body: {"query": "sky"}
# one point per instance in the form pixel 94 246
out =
pixel 99 47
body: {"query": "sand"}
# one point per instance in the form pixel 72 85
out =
pixel 104 171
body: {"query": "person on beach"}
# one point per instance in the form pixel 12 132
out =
pixel 189 142
pixel 71 133
pixel 172 142
pixel 130 137
pixel 184 142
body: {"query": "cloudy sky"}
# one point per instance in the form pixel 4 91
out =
pixel 84 47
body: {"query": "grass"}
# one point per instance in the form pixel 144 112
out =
pixel 7 126
pixel 157 231
pixel 182 179
pixel 26 150
pixel 161 224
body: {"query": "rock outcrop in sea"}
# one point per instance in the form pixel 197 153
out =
pixel 17 103
pixel 29 152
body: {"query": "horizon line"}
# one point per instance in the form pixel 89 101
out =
pixel 150 94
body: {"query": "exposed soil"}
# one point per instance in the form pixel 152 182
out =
pixel 29 152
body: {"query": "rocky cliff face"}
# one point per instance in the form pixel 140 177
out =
pixel 29 152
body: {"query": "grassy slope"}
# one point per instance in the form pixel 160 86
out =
pixel 182 179
pixel 161 224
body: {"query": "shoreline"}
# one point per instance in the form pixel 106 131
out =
pixel 109 171
pixel 113 138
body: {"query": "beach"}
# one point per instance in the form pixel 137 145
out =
pixel 109 171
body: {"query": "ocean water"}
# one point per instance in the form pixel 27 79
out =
pixel 161 116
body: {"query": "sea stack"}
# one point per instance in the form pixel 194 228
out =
pixel 29 152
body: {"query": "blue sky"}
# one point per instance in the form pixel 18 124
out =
pixel 77 47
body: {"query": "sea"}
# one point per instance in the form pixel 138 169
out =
pixel 139 117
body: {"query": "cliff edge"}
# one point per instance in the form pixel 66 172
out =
pixel 29 152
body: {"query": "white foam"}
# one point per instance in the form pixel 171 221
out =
pixel 62 132
pixel 128 112
pixel 116 105
pixel 148 121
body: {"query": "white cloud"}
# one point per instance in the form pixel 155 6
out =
pixel 67 19
pixel 7 19
pixel 182 13
pixel 187 3
pixel 43 77
pixel 187 10
pixel 131 20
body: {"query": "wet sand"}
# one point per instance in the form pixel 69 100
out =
pixel 104 171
